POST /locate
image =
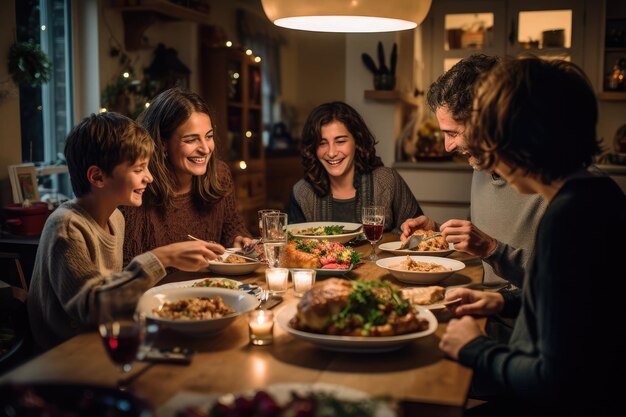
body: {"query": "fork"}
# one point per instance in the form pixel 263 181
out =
pixel 228 252
pixel 415 240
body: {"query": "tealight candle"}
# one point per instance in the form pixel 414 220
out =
pixel 303 280
pixel 277 279
pixel 261 327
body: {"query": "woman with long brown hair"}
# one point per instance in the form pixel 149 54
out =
pixel 193 191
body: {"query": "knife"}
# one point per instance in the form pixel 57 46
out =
pixel 270 302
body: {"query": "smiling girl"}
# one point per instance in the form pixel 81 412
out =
pixel 343 173
pixel 193 191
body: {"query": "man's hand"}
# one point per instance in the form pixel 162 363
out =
pixel 411 225
pixel 468 238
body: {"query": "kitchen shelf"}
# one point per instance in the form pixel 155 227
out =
pixel 139 15
pixel 165 8
pixel 390 95
pixel 612 96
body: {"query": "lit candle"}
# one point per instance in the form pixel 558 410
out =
pixel 303 280
pixel 261 326
pixel 277 279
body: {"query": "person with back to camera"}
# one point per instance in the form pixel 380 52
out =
pixel 503 222
pixel 535 126
pixel 343 173
pixel 193 191
pixel 80 249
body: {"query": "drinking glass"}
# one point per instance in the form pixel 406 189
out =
pixel 122 330
pixel 274 237
pixel 373 219
pixel 261 213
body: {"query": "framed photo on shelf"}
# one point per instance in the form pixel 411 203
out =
pixel 24 183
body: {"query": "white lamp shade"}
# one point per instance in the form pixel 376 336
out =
pixel 347 15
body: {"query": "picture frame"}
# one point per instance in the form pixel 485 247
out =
pixel 24 182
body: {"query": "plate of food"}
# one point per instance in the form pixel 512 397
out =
pixel 326 257
pixel 285 399
pixel 233 265
pixel 432 244
pixel 394 247
pixel 217 282
pixel 420 269
pixel 198 311
pixel 314 318
pixel 331 231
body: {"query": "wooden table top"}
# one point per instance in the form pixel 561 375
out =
pixel 418 374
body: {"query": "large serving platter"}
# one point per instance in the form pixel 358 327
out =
pixel 355 344
pixel 394 247
pixel 342 238
pixel 281 393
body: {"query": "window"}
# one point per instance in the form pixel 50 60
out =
pixel 46 111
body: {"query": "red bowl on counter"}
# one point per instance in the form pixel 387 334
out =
pixel 26 221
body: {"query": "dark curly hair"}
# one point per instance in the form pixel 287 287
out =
pixel 536 115
pixel 365 153
pixel 454 89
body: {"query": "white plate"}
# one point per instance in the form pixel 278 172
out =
pixel 357 344
pixel 249 288
pixel 417 277
pixel 394 247
pixel 240 301
pixel 281 393
pixel 343 238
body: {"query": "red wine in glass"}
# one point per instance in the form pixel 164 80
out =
pixel 121 340
pixel 373 219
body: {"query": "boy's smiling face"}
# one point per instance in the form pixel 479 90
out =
pixel 128 181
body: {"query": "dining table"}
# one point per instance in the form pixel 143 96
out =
pixel 418 377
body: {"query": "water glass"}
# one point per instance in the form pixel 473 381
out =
pixel 275 227
pixel 261 213
pixel 303 280
pixel 277 280
pixel 274 253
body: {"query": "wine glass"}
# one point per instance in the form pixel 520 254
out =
pixel 373 219
pixel 121 329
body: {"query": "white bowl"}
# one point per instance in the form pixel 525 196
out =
pixel 415 277
pixel 343 238
pixel 228 268
pixel 240 301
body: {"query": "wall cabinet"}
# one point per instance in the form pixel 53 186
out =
pixel 614 52
pixel 230 82
pixel 547 28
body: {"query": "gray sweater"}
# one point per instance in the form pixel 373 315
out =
pixel 75 259
pixel 383 187
pixel 511 218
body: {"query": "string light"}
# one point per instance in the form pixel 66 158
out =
pixel 248 134
pixel 103 109
pixel 147 104
pixel 248 51
pixel 43 27
pixel 257 59
pixel 243 165
pixel 229 44
pixel 126 74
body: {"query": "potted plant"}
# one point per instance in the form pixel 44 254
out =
pixel 384 77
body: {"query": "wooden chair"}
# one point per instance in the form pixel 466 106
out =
pixel 16 344
pixel 11 270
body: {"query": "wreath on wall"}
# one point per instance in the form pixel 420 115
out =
pixel 28 64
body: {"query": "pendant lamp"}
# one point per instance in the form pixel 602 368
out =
pixel 347 15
